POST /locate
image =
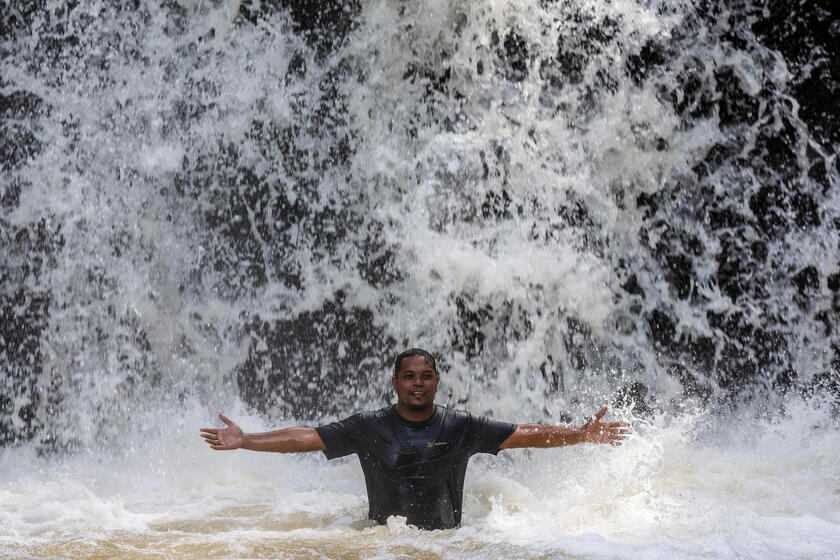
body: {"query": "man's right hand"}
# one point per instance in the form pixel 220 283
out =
pixel 231 437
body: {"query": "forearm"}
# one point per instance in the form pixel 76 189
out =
pixel 540 435
pixel 287 440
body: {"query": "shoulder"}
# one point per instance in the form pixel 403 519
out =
pixel 455 416
pixel 371 417
pixel 456 413
pixel 365 417
pixel 475 422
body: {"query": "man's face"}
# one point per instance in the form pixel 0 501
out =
pixel 416 383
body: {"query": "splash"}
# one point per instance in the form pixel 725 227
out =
pixel 229 206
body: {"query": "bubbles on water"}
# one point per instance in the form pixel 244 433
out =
pixel 567 202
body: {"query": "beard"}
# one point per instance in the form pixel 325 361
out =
pixel 419 407
pixel 414 407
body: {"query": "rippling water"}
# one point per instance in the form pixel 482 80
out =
pixel 213 206
pixel 688 486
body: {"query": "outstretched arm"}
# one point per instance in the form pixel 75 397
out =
pixel 594 431
pixel 287 440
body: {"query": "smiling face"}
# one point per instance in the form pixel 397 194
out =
pixel 416 383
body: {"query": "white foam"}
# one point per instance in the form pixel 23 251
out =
pixel 686 485
pixel 145 334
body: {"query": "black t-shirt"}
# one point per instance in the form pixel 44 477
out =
pixel 415 469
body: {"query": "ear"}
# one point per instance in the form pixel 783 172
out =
pixel 394 382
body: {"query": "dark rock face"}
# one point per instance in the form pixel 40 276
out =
pixel 252 232
pixel 293 365
pixel 27 253
pixel 731 222
pixel 752 228
pixel 807 35
pixel 22 319
pixel 324 25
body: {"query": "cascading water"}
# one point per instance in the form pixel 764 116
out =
pixel 223 206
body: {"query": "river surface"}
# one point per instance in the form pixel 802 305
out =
pixel 681 487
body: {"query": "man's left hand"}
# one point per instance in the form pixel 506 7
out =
pixel 612 433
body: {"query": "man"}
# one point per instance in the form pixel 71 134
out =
pixel 414 454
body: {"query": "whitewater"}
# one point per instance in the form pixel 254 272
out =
pixel 229 207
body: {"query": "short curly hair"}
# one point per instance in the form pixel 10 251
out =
pixel 410 353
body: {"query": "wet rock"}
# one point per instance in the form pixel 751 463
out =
pixel 515 53
pixel 807 281
pixel 18 142
pixel 19 18
pixel 580 347
pixel 735 105
pixel 662 330
pixel 770 208
pixel 807 210
pixel 741 267
pixel 651 56
pixel 632 287
pixel 318 363
pixel 720 216
pixel 23 317
pixel 799 31
pixel 636 396
pixel 497 205
pixel 751 355
pixel 552 374
pixel 468 336
pixel 680 273
pixel 833 282
pixel 695 383
pixel 697 98
pixel 825 385
pixel 585 37
pixel 377 260
pixel 564 69
pixel 325 25
pixel 28 251
pixel 701 350
pixel 718 155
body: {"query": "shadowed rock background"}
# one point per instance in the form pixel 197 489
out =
pixel 265 201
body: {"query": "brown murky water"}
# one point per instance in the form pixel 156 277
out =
pixel 774 496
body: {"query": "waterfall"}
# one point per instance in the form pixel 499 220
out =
pixel 212 204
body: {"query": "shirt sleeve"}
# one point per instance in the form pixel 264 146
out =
pixel 341 438
pixel 487 435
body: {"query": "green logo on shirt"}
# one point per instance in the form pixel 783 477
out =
pixel 436 443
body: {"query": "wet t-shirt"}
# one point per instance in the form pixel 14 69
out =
pixel 415 469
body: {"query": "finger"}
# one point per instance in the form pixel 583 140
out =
pixel 601 412
pixel 617 424
pixel 226 420
pixel 210 431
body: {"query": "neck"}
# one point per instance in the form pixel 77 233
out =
pixel 412 415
